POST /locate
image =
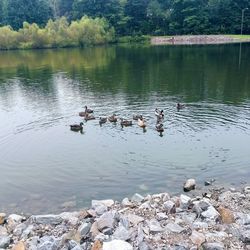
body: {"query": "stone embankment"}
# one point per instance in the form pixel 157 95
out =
pixel 214 220
pixel 199 39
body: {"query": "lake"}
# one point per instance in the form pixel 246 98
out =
pixel 45 167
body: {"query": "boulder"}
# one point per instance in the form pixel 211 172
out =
pixel 189 185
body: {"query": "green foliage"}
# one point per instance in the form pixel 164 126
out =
pixel 58 33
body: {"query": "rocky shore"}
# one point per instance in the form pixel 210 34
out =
pixel 197 39
pixel 213 220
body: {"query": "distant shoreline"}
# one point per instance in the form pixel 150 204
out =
pixel 199 39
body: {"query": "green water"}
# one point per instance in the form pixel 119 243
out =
pixel 43 164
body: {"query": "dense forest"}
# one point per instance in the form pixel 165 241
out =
pixel 119 17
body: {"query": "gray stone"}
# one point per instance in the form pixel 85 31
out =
pixel 126 202
pixel 213 246
pixel 245 236
pixel 188 217
pixel 211 213
pixel 137 198
pixel 71 218
pixel 197 238
pixel 134 219
pixel 154 226
pixel 49 219
pixel 184 201
pixel 4 241
pixel 174 228
pixel 121 233
pixel 169 206
pixel 27 231
pixel 77 248
pixel 117 245
pixel 19 229
pixel 242 219
pixel 101 209
pixel 47 245
pixel 144 246
pixel 107 220
pixel 247 189
pixel 189 185
pixel 161 216
pixel 84 229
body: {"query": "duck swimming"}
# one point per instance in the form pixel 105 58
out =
pixel 180 106
pixel 89 117
pixel 76 127
pixel 159 114
pixel 85 112
pixel 142 122
pixel 102 120
pixel 113 118
pixel 126 123
pixel 159 127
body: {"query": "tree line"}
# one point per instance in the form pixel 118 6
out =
pixel 135 17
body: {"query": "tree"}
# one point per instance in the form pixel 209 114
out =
pixel 35 11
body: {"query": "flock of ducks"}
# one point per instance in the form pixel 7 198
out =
pixel 88 115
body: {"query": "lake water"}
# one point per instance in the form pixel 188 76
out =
pixel 43 164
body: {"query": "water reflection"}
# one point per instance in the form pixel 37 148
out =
pixel 41 93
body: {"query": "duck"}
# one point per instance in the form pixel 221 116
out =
pixel 126 123
pixel 142 122
pixel 77 127
pixel 159 127
pixel 136 117
pixel 87 110
pixel 113 118
pixel 180 106
pixel 159 114
pixel 89 117
pixel 102 120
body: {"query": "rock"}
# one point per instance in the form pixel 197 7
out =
pixel 117 245
pixel 46 245
pixel 242 219
pixel 169 207
pixel 247 189
pixel 76 248
pixel 134 219
pixel 213 246
pixel 107 220
pixel 227 216
pixel 106 203
pixel 174 228
pixel 49 219
pixel 94 230
pixel 4 241
pixel 137 198
pixel 101 209
pixel 121 233
pixel 15 218
pixel 197 238
pixel 184 201
pixel 97 245
pixel 189 185
pixel 126 202
pixel 27 231
pixel 2 218
pixel 200 225
pixel 161 216
pixel 84 229
pixel 71 218
pixel 154 226
pixel 19 246
pixel 211 213
pixel 245 236
pixel 144 246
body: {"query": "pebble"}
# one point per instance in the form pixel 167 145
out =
pixel 189 185
pixel 197 238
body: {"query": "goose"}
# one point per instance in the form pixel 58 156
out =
pixel 159 114
pixel 159 127
pixel 87 110
pixel 136 117
pixel 113 118
pixel 102 120
pixel 126 123
pixel 89 117
pixel 142 123
pixel 76 127
pixel 180 106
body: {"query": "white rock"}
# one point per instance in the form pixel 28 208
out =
pixel 175 228
pixel 121 233
pixel 49 219
pixel 211 213
pixel 107 220
pixel 117 245
pixel 184 201
pixel 169 206
pixel 189 185
pixel 4 241
pixel 126 202
pixel 154 226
